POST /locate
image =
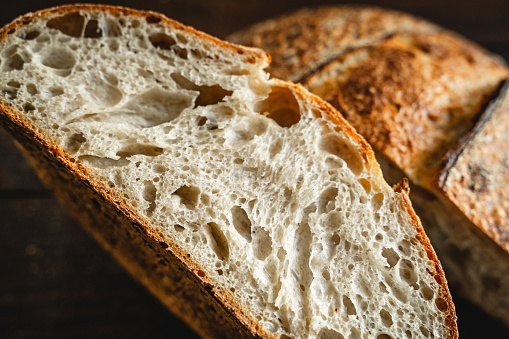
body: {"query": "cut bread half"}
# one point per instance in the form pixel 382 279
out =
pixel 247 205
pixel 419 94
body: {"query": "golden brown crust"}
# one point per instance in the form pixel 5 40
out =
pixel 444 303
pixel 411 88
pixel 412 95
pixel 475 176
pixel 306 39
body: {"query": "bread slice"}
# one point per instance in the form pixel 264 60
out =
pixel 418 94
pixel 247 205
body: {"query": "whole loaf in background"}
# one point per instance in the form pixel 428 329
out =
pixel 432 106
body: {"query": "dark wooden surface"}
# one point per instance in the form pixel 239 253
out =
pixel 56 282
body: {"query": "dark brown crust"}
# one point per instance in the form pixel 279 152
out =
pixel 474 173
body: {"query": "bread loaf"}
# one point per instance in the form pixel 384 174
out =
pixel 419 94
pixel 249 206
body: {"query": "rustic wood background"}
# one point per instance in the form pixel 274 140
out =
pixel 56 282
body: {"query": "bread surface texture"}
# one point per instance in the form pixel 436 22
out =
pixel 419 95
pixel 249 206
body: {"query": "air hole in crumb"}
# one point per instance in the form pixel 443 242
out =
pixel 101 162
pixel 102 88
pixel 218 241
pixel 241 222
pixel 161 40
pixel 336 145
pixel 152 19
pixel 383 336
pixel 201 274
pixel 391 256
pixel 262 243
pixel 180 52
pixel 333 220
pixel 281 254
pixel 209 95
pixel 196 53
pixel 201 121
pixel 92 30
pixel 178 228
pixel 335 239
pixel 140 149
pixel 354 334
pixel 275 148
pixel 158 168
pixel 14 62
pixel 326 275
pixel 149 194
pixel 181 38
pixel 70 24
pixel 441 304
pixel 31 89
pixel 377 201
pixel 350 307
pixel 31 35
pixel 54 91
pixel 386 318
pixel 75 141
pixel 424 331
pixel 112 28
pixel 153 107
pixel 426 292
pixel 189 196
pixel 60 59
pixel 326 333
pixel 407 273
pixel 327 200
pixel 405 247
pixel 28 107
pixel 365 184
pixel 281 106
pixel 14 84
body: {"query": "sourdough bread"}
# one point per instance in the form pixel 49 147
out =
pixel 418 93
pixel 246 204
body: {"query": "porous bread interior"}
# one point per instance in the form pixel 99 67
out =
pixel 271 200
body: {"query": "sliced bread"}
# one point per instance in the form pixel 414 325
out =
pixel 249 206
pixel 418 94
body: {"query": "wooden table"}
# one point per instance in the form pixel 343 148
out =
pixel 56 282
